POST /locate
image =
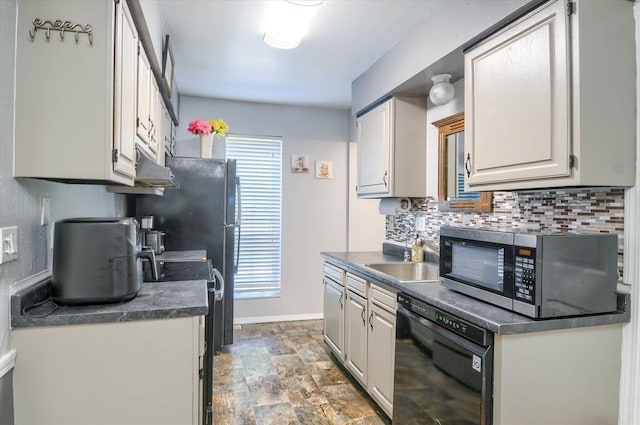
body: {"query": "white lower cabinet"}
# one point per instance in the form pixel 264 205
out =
pixel 356 337
pixel 334 316
pixel 136 372
pixel 369 328
pixel 381 356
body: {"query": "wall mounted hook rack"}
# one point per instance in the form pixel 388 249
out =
pixel 62 27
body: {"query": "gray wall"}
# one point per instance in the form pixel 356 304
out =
pixel 450 26
pixel 314 211
pixel 20 199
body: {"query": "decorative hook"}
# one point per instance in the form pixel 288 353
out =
pixel 61 27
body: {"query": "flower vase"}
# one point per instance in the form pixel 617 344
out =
pixel 206 145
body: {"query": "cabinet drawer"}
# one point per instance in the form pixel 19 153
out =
pixel 384 297
pixel 333 273
pixel 357 284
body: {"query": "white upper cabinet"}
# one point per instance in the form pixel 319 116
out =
pixel 125 87
pixel 167 139
pixel 144 98
pixel 549 100
pixel 155 114
pixel 392 149
pixel 73 112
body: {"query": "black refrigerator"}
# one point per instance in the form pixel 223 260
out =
pixel 202 214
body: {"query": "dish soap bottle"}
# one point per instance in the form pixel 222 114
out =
pixel 417 253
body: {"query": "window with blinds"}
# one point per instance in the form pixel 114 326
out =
pixel 259 166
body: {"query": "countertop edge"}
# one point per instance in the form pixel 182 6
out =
pixel 495 319
pixel 155 301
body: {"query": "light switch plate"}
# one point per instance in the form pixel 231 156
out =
pixel 45 215
pixel 9 240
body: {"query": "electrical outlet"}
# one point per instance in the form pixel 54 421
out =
pixel 9 240
pixel 421 223
pixel 45 216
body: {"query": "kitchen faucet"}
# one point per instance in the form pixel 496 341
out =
pixel 407 255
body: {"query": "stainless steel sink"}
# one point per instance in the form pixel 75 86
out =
pixel 408 272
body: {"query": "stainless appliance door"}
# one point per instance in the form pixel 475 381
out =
pixel 440 378
pixel 224 325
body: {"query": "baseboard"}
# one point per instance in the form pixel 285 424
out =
pixel 7 361
pixel 268 319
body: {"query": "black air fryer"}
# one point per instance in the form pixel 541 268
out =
pixel 97 260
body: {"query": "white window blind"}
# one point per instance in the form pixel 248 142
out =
pixel 259 166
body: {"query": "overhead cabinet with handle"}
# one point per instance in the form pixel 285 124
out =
pixel 80 86
pixel 75 92
pixel 392 148
pixel 550 99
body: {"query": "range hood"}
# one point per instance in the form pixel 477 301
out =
pixel 151 174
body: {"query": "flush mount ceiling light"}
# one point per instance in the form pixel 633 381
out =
pixel 288 22
pixel 442 90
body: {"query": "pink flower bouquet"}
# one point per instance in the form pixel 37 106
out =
pixel 219 127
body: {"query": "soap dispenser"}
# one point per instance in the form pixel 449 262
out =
pixel 417 252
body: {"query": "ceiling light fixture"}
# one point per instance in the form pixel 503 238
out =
pixel 288 22
pixel 442 90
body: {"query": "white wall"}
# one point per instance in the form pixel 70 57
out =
pixel 314 211
pixel 20 199
pixel 366 224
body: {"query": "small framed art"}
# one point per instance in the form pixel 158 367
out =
pixel 324 169
pixel 167 63
pixel 299 163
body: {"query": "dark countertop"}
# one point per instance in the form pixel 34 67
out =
pixel 495 319
pixel 156 300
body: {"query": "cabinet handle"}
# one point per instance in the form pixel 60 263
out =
pixel 467 165
pixel 370 320
pixel 384 178
pixel 364 323
pixel 340 301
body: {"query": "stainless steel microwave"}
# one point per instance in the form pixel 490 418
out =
pixel 538 274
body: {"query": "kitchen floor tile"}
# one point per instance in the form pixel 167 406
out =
pixel 284 373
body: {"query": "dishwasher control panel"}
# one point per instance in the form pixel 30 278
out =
pixel 448 321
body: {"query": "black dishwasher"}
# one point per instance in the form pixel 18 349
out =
pixel 443 367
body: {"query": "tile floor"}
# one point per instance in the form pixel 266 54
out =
pixel 282 373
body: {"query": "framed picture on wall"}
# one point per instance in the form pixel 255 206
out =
pixel 324 169
pixel 299 163
pixel 167 64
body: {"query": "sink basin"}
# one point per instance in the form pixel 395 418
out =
pixel 408 272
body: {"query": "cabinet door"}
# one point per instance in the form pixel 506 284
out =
pixel 167 130
pixel 144 94
pixel 374 150
pixel 125 90
pixel 381 359
pixel 355 345
pixel 517 101
pixel 334 316
pixel 155 127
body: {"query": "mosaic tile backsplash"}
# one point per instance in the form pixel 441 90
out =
pixel 599 210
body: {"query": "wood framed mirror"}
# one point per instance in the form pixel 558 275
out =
pixel 451 193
